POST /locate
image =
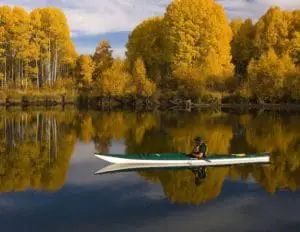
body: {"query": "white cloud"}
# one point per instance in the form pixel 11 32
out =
pixel 90 49
pixel 119 52
pixel 92 17
pixel 255 8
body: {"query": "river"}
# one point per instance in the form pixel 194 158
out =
pixel 47 180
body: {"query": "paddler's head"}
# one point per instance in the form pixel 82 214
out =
pixel 198 140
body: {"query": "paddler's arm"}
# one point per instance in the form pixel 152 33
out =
pixel 200 155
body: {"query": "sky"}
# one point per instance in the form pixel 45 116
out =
pixel 93 20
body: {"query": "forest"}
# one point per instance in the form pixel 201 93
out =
pixel 192 52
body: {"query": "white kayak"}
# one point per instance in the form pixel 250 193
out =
pixel 183 160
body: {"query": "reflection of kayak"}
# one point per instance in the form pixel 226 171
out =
pixel 137 167
pixel 182 160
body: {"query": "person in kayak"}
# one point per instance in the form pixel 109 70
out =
pixel 199 148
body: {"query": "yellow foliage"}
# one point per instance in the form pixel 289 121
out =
pixel 84 71
pixel 34 155
pixel 37 47
pixel 292 84
pixel 267 75
pixel 272 133
pixel 235 25
pixel 142 85
pixel 102 58
pixel 242 47
pixel 274 31
pixel 180 187
pixel 197 33
pixel 189 81
pixel 115 80
pixel 146 41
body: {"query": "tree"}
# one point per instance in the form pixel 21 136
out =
pixel 2 56
pixel 143 86
pixel 272 31
pixel 146 41
pixel 295 41
pixel 58 43
pixel 18 43
pixel 114 81
pixel 84 71
pixel 267 75
pixel 242 48
pixel 102 58
pixel 235 25
pixel 198 35
pixel 37 45
pixel 189 83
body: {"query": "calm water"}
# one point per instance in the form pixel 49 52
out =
pixel 47 180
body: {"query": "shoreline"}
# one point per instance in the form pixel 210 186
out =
pixel 104 104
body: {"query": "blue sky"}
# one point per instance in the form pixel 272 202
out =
pixel 93 20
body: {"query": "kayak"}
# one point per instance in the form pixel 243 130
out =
pixel 183 160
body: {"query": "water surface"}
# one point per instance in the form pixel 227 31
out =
pixel 47 180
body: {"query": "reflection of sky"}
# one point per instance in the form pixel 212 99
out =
pixel 125 202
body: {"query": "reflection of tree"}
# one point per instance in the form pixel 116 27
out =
pixel 214 128
pixel 105 126
pixel 225 134
pixel 35 147
pixel 180 187
pixel 176 133
pixel 279 135
pixel 35 150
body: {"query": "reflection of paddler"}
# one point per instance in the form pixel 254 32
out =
pixel 200 174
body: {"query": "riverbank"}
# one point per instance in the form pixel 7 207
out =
pixel 37 98
pixel 142 104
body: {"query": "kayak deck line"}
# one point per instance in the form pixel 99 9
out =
pixel 184 160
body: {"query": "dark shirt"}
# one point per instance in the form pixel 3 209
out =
pixel 200 148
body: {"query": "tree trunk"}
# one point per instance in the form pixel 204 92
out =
pixel 12 72
pixel 37 74
pixel 55 62
pixel 49 61
pixel 42 72
pixel 5 77
pixel 19 76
